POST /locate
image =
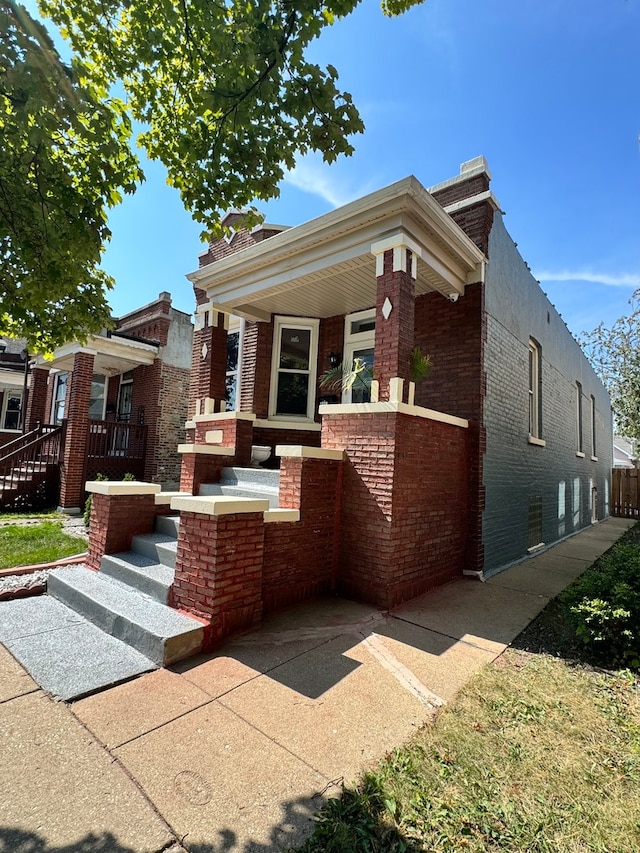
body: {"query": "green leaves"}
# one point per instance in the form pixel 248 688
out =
pixel 64 160
pixel 226 95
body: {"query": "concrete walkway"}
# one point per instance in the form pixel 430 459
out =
pixel 235 751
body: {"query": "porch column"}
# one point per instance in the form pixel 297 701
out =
pixel 77 434
pixel 37 399
pixel 395 310
pixel 209 363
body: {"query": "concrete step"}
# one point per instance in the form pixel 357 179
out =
pixel 142 573
pixel 253 477
pixel 161 634
pixel 159 547
pixel 242 490
pixel 168 524
pixel 65 654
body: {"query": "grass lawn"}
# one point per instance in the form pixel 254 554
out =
pixel 24 545
pixel 539 753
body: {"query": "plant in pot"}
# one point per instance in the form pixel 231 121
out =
pixel 358 374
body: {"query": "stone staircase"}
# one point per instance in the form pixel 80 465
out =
pixel 127 598
pixel 246 483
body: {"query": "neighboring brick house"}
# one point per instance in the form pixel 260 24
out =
pixel 391 489
pixel 122 397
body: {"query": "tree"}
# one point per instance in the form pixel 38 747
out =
pixel 223 89
pixel 615 356
pixel 64 160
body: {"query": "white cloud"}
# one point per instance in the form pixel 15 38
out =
pixel 317 178
pixel 611 280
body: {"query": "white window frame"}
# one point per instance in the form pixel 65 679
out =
pixel 594 444
pixel 579 421
pixel 356 341
pixel 312 325
pixel 105 394
pixel 9 391
pixel 54 398
pixel 533 363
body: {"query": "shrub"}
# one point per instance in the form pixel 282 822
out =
pixel 604 607
pixel 86 515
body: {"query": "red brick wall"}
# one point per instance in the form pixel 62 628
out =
pixel 404 504
pixel 257 345
pixel 236 433
pixel 454 335
pixel 37 399
pixel 475 220
pixel 145 409
pixel 150 322
pixel 300 558
pixel 170 431
pixel 219 570
pixel 77 413
pixel 394 336
pixel 115 519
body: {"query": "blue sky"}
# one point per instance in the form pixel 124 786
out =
pixel 548 91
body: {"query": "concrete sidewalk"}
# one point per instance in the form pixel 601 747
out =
pixel 236 750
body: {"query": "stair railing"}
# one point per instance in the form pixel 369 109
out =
pixel 33 454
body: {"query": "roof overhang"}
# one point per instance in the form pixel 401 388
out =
pixel 327 266
pixel 112 355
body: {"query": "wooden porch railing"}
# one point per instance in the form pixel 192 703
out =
pixel 30 464
pixel 116 448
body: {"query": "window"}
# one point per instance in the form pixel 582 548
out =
pixel 535 413
pixel 125 397
pixel 579 443
pixel 593 426
pixel 294 368
pixel 359 339
pixel 233 351
pixel 10 406
pixel 59 397
pixel 97 399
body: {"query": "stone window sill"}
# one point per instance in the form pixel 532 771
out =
pixel 538 442
pixel 579 454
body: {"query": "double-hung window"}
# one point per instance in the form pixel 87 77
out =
pixel 359 339
pixel 293 378
pixel 579 423
pixel 535 412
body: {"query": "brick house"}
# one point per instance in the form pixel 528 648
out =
pixel 121 398
pixel 390 489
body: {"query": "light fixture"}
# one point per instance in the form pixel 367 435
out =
pixel 334 359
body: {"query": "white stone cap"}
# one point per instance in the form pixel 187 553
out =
pixel 391 406
pixel 218 504
pixel 122 487
pixel 302 452
pixel 167 497
pixel 207 449
pixel 222 416
pixel 279 514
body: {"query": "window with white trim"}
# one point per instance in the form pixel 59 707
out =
pixel 233 353
pixel 97 400
pixel 359 340
pixel 294 366
pixel 535 412
pixel 10 407
pixel 579 437
pixel 593 426
pixel 59 398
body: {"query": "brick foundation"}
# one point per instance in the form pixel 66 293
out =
pixel 115 519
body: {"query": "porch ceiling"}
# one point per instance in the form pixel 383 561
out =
pixel 112 355
pixel 326 267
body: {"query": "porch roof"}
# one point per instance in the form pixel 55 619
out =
pixel 326 266
pixel 112 354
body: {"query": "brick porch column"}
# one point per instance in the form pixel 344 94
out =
pixel 37 400
pixel 76 440
pixel 208 387
pixel 219 562
pixel 395 310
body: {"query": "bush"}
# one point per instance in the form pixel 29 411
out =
pixel 604 607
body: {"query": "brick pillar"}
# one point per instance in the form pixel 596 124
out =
pixel 36 412
pixel 209 359
pixel 119 510
pixel 255 378
pixel 395 310
pixel 75 446
pixel 219 562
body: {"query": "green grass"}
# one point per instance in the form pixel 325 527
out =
pixel 539 753
pixel 38 513
pixel 25 545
